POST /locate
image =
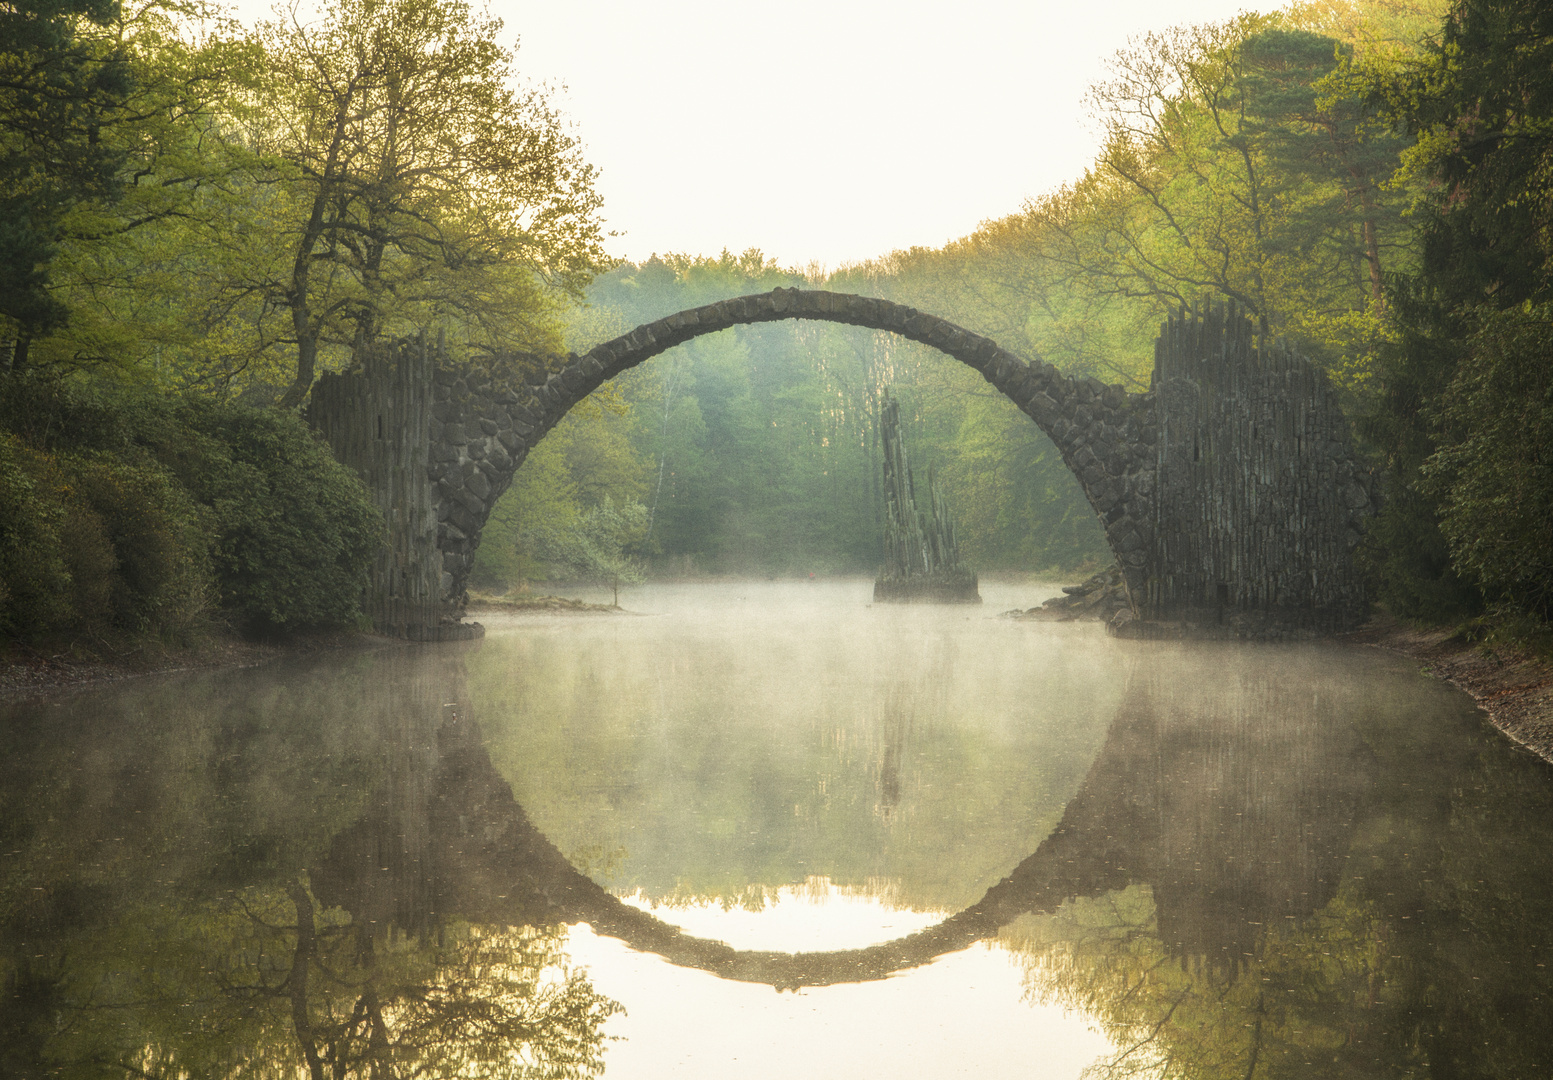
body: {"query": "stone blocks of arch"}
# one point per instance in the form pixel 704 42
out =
pixel 1102 432
pixel 1228 487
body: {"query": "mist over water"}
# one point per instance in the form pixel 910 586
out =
pixel 746 736
pixel 959 845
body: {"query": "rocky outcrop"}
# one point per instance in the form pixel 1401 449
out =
pixel 921 549
pixel 1100 599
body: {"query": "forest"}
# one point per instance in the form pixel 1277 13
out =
pixel 198 218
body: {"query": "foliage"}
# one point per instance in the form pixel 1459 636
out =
pixel 295 529
pixel 1480 104
pixel 107 125
pixel 207 208
pixel 1494 472
pixel 127 509
pixel 34 580
pixel 58 89
pixel 597 544
pixel 417 182
pixel 94 542
pixel 1239 159
pixel 587 458
pixel 304 987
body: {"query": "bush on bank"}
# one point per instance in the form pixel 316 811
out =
pixel 1493 473
pixel 126 510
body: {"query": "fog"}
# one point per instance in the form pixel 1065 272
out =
pixel 959 844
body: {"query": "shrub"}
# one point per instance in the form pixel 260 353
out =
pixel 1494 471
pixel 295 529
pixel 90 542
pixel 157 538
pixel 34 580
pixel 126 508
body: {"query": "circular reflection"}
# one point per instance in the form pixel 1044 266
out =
pixel 1236 816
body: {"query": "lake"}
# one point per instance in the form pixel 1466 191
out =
pixel 766 829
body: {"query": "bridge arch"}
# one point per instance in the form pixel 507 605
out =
pixel 1228 492
pixel 481 432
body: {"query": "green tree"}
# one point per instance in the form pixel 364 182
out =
pixel 132 270
pixel 598 544
pixel 105 130
pixel 1462 416
pixel 414 184
pixel 59 87
pixel 1242 160
pixel 1493 473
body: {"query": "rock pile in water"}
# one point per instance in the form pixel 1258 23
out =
pixel 1102 598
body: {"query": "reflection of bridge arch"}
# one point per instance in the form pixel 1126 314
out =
pixel 1137 817
pixel 1228 486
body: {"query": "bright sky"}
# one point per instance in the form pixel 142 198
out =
pixel 827 130
pixel 830 131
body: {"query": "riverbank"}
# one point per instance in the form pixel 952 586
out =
pixel 63 664
pixel 524 603
pixel 43 668
pixel 1513 687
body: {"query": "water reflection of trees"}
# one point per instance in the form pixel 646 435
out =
pixel 465 1001
pixel 720 776
pixel 1396 921
pixel 158 906
pixel 1266 873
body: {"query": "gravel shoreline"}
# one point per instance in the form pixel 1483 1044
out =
pixel 1514 688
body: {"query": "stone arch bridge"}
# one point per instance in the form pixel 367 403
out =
pixel 1228 491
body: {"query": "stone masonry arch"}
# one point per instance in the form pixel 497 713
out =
pixel 1227 487
pixel 1101 431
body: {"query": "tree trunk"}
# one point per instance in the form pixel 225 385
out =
pixel 302 263
pixel 300 959
pixel 307 360
pixel 1372 249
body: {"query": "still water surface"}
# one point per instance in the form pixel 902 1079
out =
pixel 768 829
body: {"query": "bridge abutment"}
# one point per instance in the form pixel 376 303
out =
pixel 1259 499
pixel 380 420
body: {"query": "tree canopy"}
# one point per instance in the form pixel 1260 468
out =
pixel 208 207
pixel 418 184
pixel 1465 417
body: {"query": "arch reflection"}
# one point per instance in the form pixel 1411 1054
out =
pixel 1277 869
pixel 1236 816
